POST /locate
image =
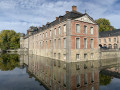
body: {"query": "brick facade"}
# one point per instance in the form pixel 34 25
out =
pixel 58 39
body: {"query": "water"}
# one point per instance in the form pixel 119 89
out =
pixel 31 72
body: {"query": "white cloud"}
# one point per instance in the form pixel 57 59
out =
pixel 20 14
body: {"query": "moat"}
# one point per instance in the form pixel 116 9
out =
pixel 32 72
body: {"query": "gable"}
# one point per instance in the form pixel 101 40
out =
pixel 85 18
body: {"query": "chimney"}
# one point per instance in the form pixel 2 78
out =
pixel 67 12
pixel 47 23
pixel 56 18
pixel 74 8
pixel 60 18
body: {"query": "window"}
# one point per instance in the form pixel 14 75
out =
pixel 55 43
pixel 50 44
pixel 40 44
pixel 77 56
pixel 43 44
pixel 50 33
pixel 110 46
pixel 100 40
pixel 64 55
pixel 64 80
pixel 59 43
pixel 85 29
pixel 105 45
pixel 64 29
pixel 114 39
pixel 92 55
pixel 77 43
pixel 59 77
pixel 78 80
pixel 109 39
pixel 64 42
pixel 105 40
pixel 40 36
pixel 46 44
pixel 85 78
pixel 115 46
pixel 59 30
pixel 91 30
pixel 54 55
pixel 43 35
pixel 77 28
pixel 85 56
pixel 55 31
pixel 85 43
pixel 58 55
pixel 92 88
pixel 92 77
pixel 91 43
pixel 77 66
pixel 46 34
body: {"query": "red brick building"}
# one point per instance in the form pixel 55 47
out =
pixel 71 37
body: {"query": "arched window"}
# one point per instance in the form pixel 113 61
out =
pixel 105 45
pixel 110 46
pixel 115 46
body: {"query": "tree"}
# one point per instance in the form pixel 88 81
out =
pixel 104 80
pixel 9 62
pixel 9 39
pixel 104 24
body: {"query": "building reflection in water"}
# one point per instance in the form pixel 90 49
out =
pixel 59 75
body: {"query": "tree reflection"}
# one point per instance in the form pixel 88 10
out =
pixel 104 79
pixel 9 61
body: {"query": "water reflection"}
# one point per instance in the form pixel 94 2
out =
pixel 9 61
pixel 59 75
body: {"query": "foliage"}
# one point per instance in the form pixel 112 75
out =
pixel 104 24
pixel 104 80
pixel 9 62
pixel 9 39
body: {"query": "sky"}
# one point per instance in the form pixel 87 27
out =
pixel 19 15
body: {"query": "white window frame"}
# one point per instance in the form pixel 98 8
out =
pixel 76 42
pixel 85 30
pixel 55 31
pixel 78 56
pixel 92 43
pixel 85 46
pixel 91 30
pixel 64 43
pixel 46 34
pixel 50 33
pixel 59 30
pixel 59 43
pixel 54 43
pixel 64 28
pixel 76 28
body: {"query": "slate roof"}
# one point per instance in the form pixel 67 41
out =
pixel 70 15
pixel 109 33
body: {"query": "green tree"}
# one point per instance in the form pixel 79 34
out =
pixel 9 39
pixel 104 80
pixel 9 62
pixel 104 24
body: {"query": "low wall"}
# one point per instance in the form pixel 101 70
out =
pixel 109 54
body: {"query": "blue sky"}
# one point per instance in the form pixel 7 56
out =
pixel 19 15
